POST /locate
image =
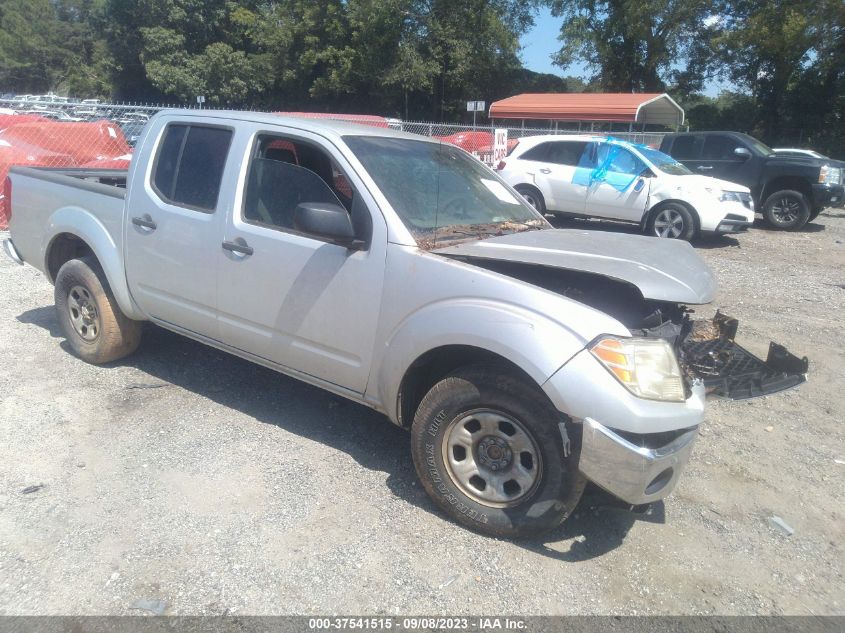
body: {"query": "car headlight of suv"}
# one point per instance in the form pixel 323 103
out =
pixel 647 367
pixel 742 197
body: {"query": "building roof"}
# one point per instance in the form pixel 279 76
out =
pixel 651 108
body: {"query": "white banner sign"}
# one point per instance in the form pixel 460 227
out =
pixel 500 145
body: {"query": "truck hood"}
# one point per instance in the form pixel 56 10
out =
pixel 662 269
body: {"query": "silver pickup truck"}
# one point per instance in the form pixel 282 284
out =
pixel 403 274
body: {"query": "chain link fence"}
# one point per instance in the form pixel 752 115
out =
pixel 55 133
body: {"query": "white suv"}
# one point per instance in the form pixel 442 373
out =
pixel 592 176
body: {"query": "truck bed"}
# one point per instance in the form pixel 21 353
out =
pixel 64 197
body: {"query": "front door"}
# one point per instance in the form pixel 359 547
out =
pixel 618 187
pixel 174 226
pixel 293 298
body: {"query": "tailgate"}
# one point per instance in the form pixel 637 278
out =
pixel 709 352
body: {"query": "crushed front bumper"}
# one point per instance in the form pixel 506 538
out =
pixel 709 353
pixel 635 473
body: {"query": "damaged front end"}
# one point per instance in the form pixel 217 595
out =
pixel 709 352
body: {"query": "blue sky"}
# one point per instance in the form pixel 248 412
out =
pixel 540 43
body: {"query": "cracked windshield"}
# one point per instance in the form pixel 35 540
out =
pixel 442 194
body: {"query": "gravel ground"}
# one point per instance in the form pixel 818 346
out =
pixel 189 482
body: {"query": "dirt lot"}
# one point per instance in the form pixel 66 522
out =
pixel 197 483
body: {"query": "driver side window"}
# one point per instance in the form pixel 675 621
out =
pixel 284 173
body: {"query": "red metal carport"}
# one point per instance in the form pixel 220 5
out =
pixel 645 109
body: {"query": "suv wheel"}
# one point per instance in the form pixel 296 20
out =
pixel 532 196
pixel 489 449
pixel 671 220
pixel 786 210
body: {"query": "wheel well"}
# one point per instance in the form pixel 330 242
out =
pixel 696 220
pixel 787 182
pixel 64 248
pixel 435 365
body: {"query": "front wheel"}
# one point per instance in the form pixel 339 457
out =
pixel 494 454
pixel 671 220
pixel 89 316
pixel 786 210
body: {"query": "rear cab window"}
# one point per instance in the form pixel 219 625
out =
pixel 188 168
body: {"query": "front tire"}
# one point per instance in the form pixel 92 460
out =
pixel 489 449
pixel 89 316
pixel 787 210
pixel 671 220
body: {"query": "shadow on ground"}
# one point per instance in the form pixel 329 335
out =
pixel 598 525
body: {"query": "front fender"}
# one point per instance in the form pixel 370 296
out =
pixel 100 238
pixel 536 344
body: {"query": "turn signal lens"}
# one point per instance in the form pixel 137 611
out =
pixel 647 367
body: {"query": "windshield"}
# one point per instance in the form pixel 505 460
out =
pixel 440 192
pixel 664 162
pixel 764 149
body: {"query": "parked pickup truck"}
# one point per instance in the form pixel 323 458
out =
pixel 403 274
pixel 789 191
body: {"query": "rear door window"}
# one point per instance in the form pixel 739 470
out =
pixel 566 152
pixel 189 165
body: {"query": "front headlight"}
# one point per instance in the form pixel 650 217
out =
pixel 647 367
pixel 830 175
pixel 742 197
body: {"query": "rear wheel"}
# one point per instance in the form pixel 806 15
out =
pixel 89 316
pixel 494 454
pixel 672 220
pixel 786 210
pixel 532 196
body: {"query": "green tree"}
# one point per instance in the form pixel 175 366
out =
pixel 766 47
pixel 51 45
pixel 635 45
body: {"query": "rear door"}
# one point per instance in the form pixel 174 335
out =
pixel 289 297
pixel 618 187
pixel 175 224
pixel 552 165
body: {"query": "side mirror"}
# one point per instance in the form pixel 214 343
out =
pixel 743 153
pixel 326 220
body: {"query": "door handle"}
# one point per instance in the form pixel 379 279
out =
pixel 545 171
pixel 145 222
pixel 238 247
pixel 704 167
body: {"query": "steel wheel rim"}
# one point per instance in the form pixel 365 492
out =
pixel 83 313
pixel 669 223
pixel 492 458
pixel 785 210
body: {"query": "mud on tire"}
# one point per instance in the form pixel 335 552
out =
pixel 89 316
pixel 529 423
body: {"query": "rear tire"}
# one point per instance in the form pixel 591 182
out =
pixel 787 210
pixel 532 196
pixel 89 316
pixel 671 220
pixel 489 451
